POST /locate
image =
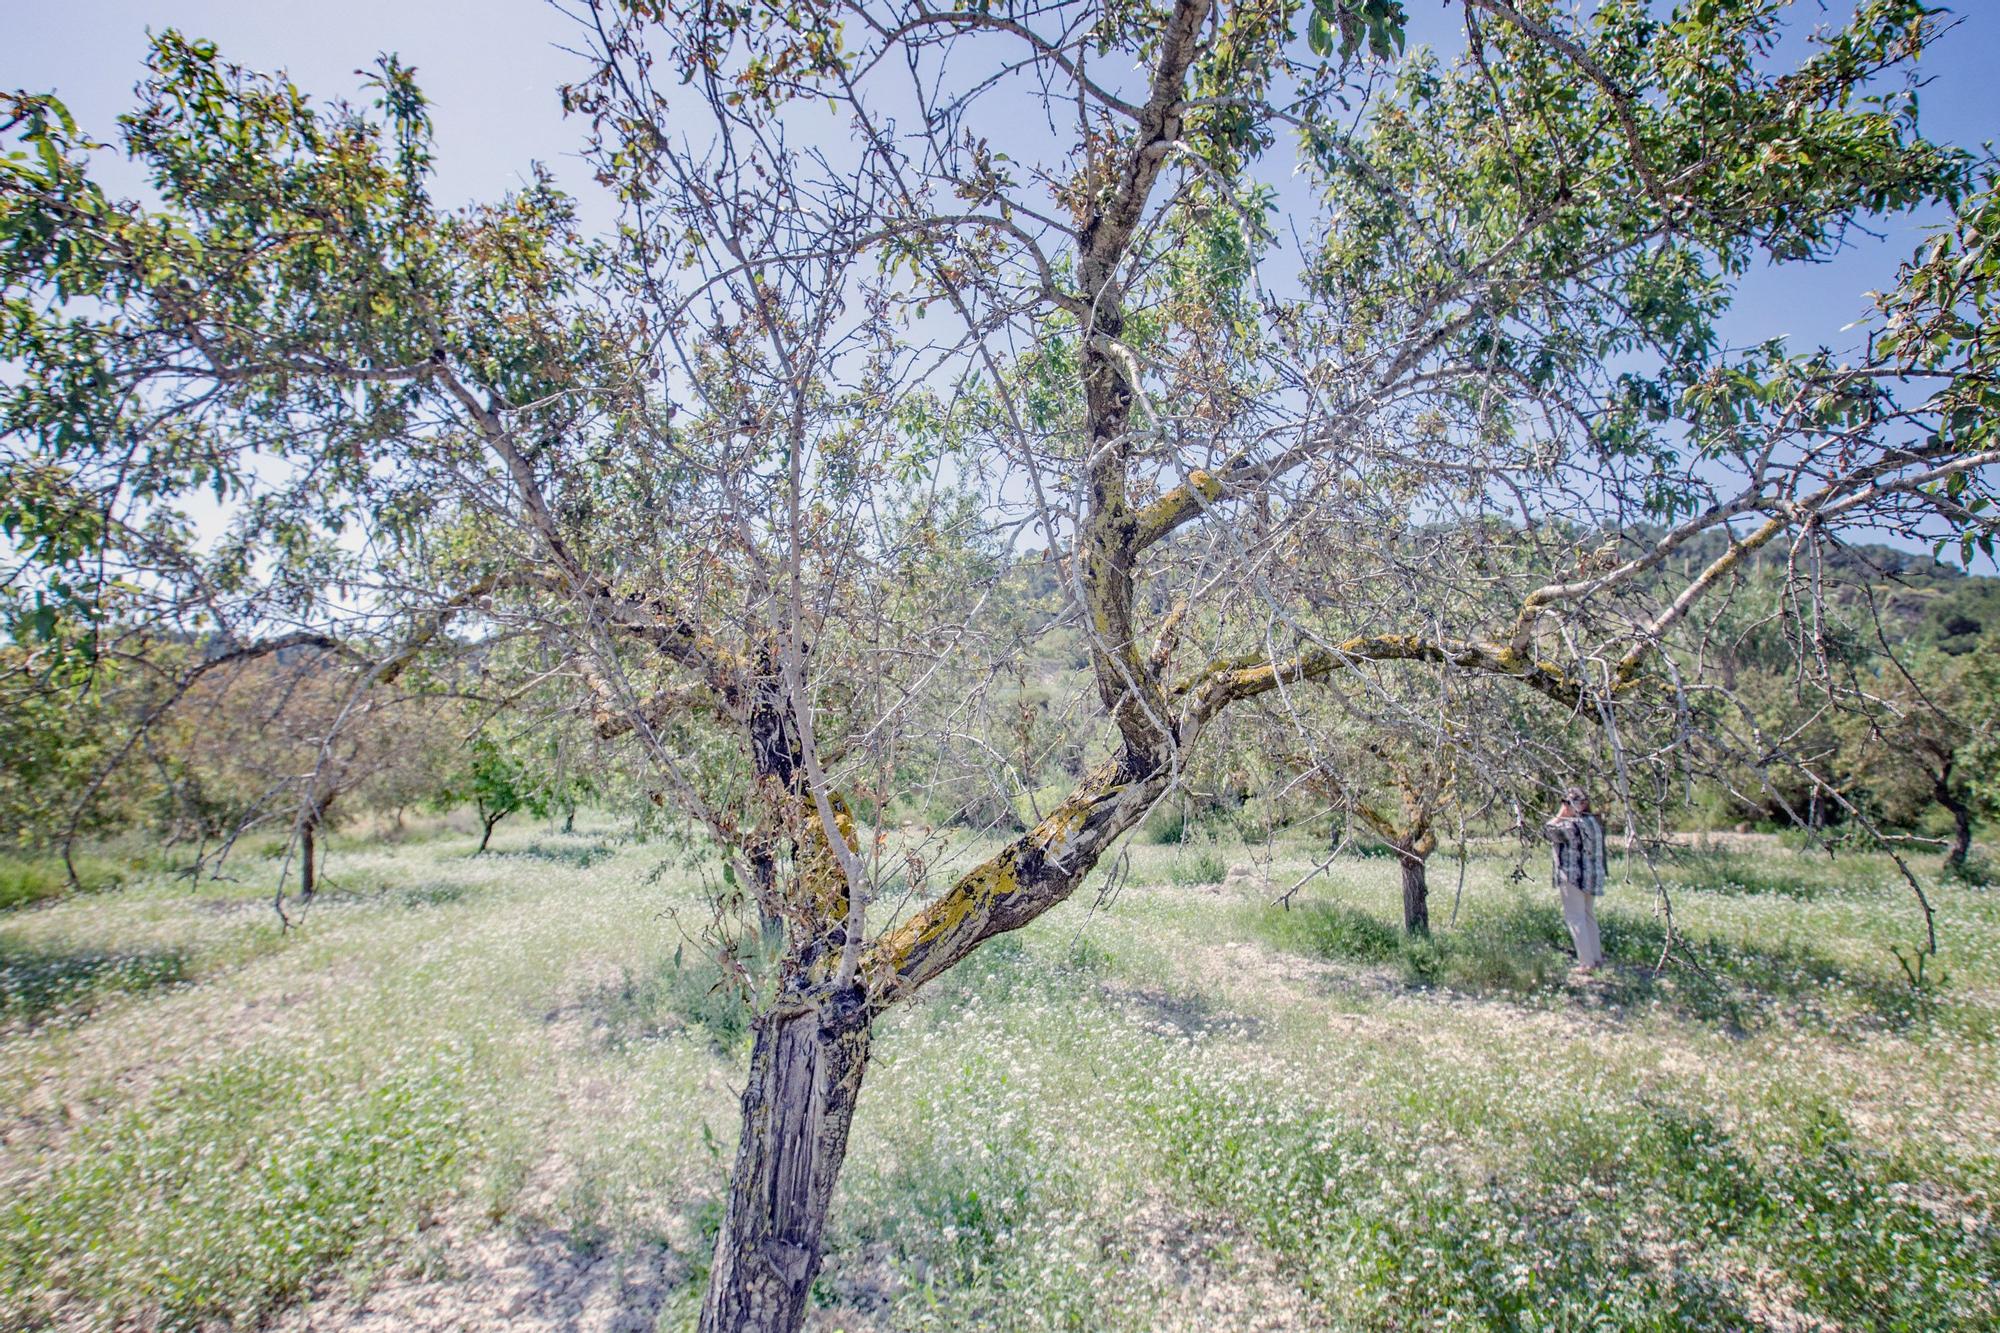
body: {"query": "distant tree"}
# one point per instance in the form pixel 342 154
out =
pixel 1935 741
pixel 1407 755
pixel 412 763
pixel 1420 792
pixel 1964 618
pixel 496 783
pixel 289 737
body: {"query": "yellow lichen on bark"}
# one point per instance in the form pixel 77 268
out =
pixel 975 892
pixel 1176 506
pixel 1228 679
pixel 822 882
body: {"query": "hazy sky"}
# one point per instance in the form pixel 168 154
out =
pixel 491 68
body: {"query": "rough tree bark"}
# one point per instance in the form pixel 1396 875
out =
pixel 309 848
pixel 808 1057
pixel 812 1048
pixel 308 871
pixel 806 1067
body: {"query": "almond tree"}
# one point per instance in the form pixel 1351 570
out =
pixel 751 464
pixel 1930 740
pixel 1409 754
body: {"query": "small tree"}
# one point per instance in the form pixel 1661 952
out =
pixel 1934 741
pixel 496 783
pixel 1407 754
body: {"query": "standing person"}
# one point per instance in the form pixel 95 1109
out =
pixel 1578 836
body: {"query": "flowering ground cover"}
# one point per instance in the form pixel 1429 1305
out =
pixel 499 1092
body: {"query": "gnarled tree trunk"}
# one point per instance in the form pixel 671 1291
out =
pixel 798 1101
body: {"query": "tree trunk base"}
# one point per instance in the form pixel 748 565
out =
pixel 798 1102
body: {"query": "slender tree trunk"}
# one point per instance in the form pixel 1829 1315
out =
pixel 489 821
pixel 309 848
pixel 798 1101
pixel 1416 891
pixel 308 867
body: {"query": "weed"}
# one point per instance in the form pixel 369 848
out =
pixel 579 855
pixel 25 881
pixel 1203 867
pixel 674 993
pixel 436 894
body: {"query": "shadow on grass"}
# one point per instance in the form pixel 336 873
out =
pixel 1521 949
pixel 1740 986
pixel 438 894
pixel 578 855
pixel 1183 1015
pixel 37 984
pixel 1803 876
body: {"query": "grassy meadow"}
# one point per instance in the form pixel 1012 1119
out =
pixel 500 1092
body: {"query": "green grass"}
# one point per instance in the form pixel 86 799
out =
pixel 1331 931
pixel 1182 1109
pixel 1197 865
pixel 679 993
pixel 27 880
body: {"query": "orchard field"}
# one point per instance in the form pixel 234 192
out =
pixel 500 1092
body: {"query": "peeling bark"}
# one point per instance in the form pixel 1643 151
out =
pixel 806 1068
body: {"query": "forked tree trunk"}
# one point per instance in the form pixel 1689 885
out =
pixel 1416 892
pixel 489 821
pixel 798 1101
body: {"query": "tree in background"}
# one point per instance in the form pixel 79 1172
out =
pixel 1406 755
pixel 284 737
pixel 1934 742
pixel 496 783
pixel 747 470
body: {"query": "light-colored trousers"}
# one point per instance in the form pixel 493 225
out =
pixel 1580 911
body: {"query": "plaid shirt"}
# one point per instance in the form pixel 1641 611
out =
pixel 1579 860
